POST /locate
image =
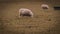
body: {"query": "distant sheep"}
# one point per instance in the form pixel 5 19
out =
pixel 25 12
pixel 44 6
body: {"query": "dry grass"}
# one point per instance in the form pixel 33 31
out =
pixel 43 22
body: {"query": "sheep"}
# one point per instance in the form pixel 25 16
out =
pixel 25 12
pixel 44 6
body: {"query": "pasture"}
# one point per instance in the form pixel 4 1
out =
pixel 44 21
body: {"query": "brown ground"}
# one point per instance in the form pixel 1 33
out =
pixel 43 22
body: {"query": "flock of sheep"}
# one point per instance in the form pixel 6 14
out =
pixel 28 12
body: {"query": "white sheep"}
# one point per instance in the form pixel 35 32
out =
pixel 25 12
pixel 44 6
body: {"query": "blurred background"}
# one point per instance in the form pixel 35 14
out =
pixel 44 21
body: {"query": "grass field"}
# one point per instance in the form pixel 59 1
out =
pixel 43 22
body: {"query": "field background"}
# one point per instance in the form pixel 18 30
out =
pixel 43 22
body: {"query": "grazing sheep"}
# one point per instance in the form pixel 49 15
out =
pixel 25 12
pixel 44 6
